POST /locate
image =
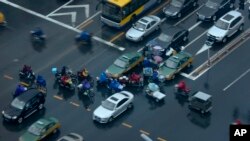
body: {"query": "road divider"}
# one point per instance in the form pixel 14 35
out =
pixel 216 58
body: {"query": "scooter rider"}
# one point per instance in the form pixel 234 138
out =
pixel 41 82
pixel 38 32
pixel 19 89
pixel 27 69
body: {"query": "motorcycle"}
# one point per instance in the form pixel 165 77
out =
pixel 83 38
pixel 71 81
pixel 37 36
pixel 182 89
pixel 132 80
pixel 153 90
pixel 82 76
pixel 86 88
pixel 27 76
pixel 103 79
pixel 2 20
pixel 115 86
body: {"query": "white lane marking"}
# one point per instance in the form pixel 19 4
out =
pixel 189 15
pixel 195 39
pixel 164 19
pixel 197 24
pixel 237 79
pixel 59 8
pixel 61 24
pixel 72 14
pixel 86 6
pixel 99 12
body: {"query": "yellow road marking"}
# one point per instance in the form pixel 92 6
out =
pixel 157 9
pixel 127 125
pixel 116 37
pixel 161 139
pixel 144 132
pixel 58 97
pixel 86 24
pixel 8 77
pixel 75 104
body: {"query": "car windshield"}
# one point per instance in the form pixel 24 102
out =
pixel 35 129
pixel 108 105
pixel 212 4
pixel 112 11
pixel 222 25
pixel 176 3
pixel 171 64
pixel 139 26
pixel 165 38
pixel 17 103
pixel 120 63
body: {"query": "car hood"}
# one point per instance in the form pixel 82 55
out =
pixel 29 137
pixel 11 111
pixel 134 33
pixel 217 32
pixel 102 112
pixel 206 11
pixel 166 71
pixel 170 10
pixel 157 42
pixel 113 70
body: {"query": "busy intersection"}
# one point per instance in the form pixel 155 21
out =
pixel 79 36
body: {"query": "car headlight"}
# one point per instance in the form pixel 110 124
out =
pixel 14 117
pixel 3 112
pixel 209 17
pixel 175 13
pixel 115 75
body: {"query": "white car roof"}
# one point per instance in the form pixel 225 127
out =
pixel 202 96
pixel 115 98
pixel 230 16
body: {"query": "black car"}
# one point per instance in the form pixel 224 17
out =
pixel 177 8
pixel 173 37
pixel 214 9
pixel 24 105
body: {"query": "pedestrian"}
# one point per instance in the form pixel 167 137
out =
pixel 241 4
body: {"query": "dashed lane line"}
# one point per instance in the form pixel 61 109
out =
pixel 189 15
pixel 194 26
pixel 61 24
pixel 127 125
pixel 75 104
pixel 58 97
pixel 8 77
pixel 144 132
pixel 161 139
pixel 116 37
pixel 198 37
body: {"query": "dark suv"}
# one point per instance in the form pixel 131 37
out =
pixel 178 7
pixel 24 105
pixel 214 9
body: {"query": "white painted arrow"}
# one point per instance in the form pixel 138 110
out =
pixel 72 14
pixel 86 6
pixel 203 48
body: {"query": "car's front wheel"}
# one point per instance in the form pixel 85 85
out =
pixel 20 120
pixel 224 40
pixel 241 27
pixel 111 119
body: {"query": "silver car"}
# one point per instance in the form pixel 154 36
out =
pixel 143 27
pixel 113 106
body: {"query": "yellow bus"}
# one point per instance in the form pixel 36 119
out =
pixel 117 13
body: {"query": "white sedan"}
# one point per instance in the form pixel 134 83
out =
pixel 143 27
pixel 113 106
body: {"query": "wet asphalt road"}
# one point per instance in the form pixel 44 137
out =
pixel 170 120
